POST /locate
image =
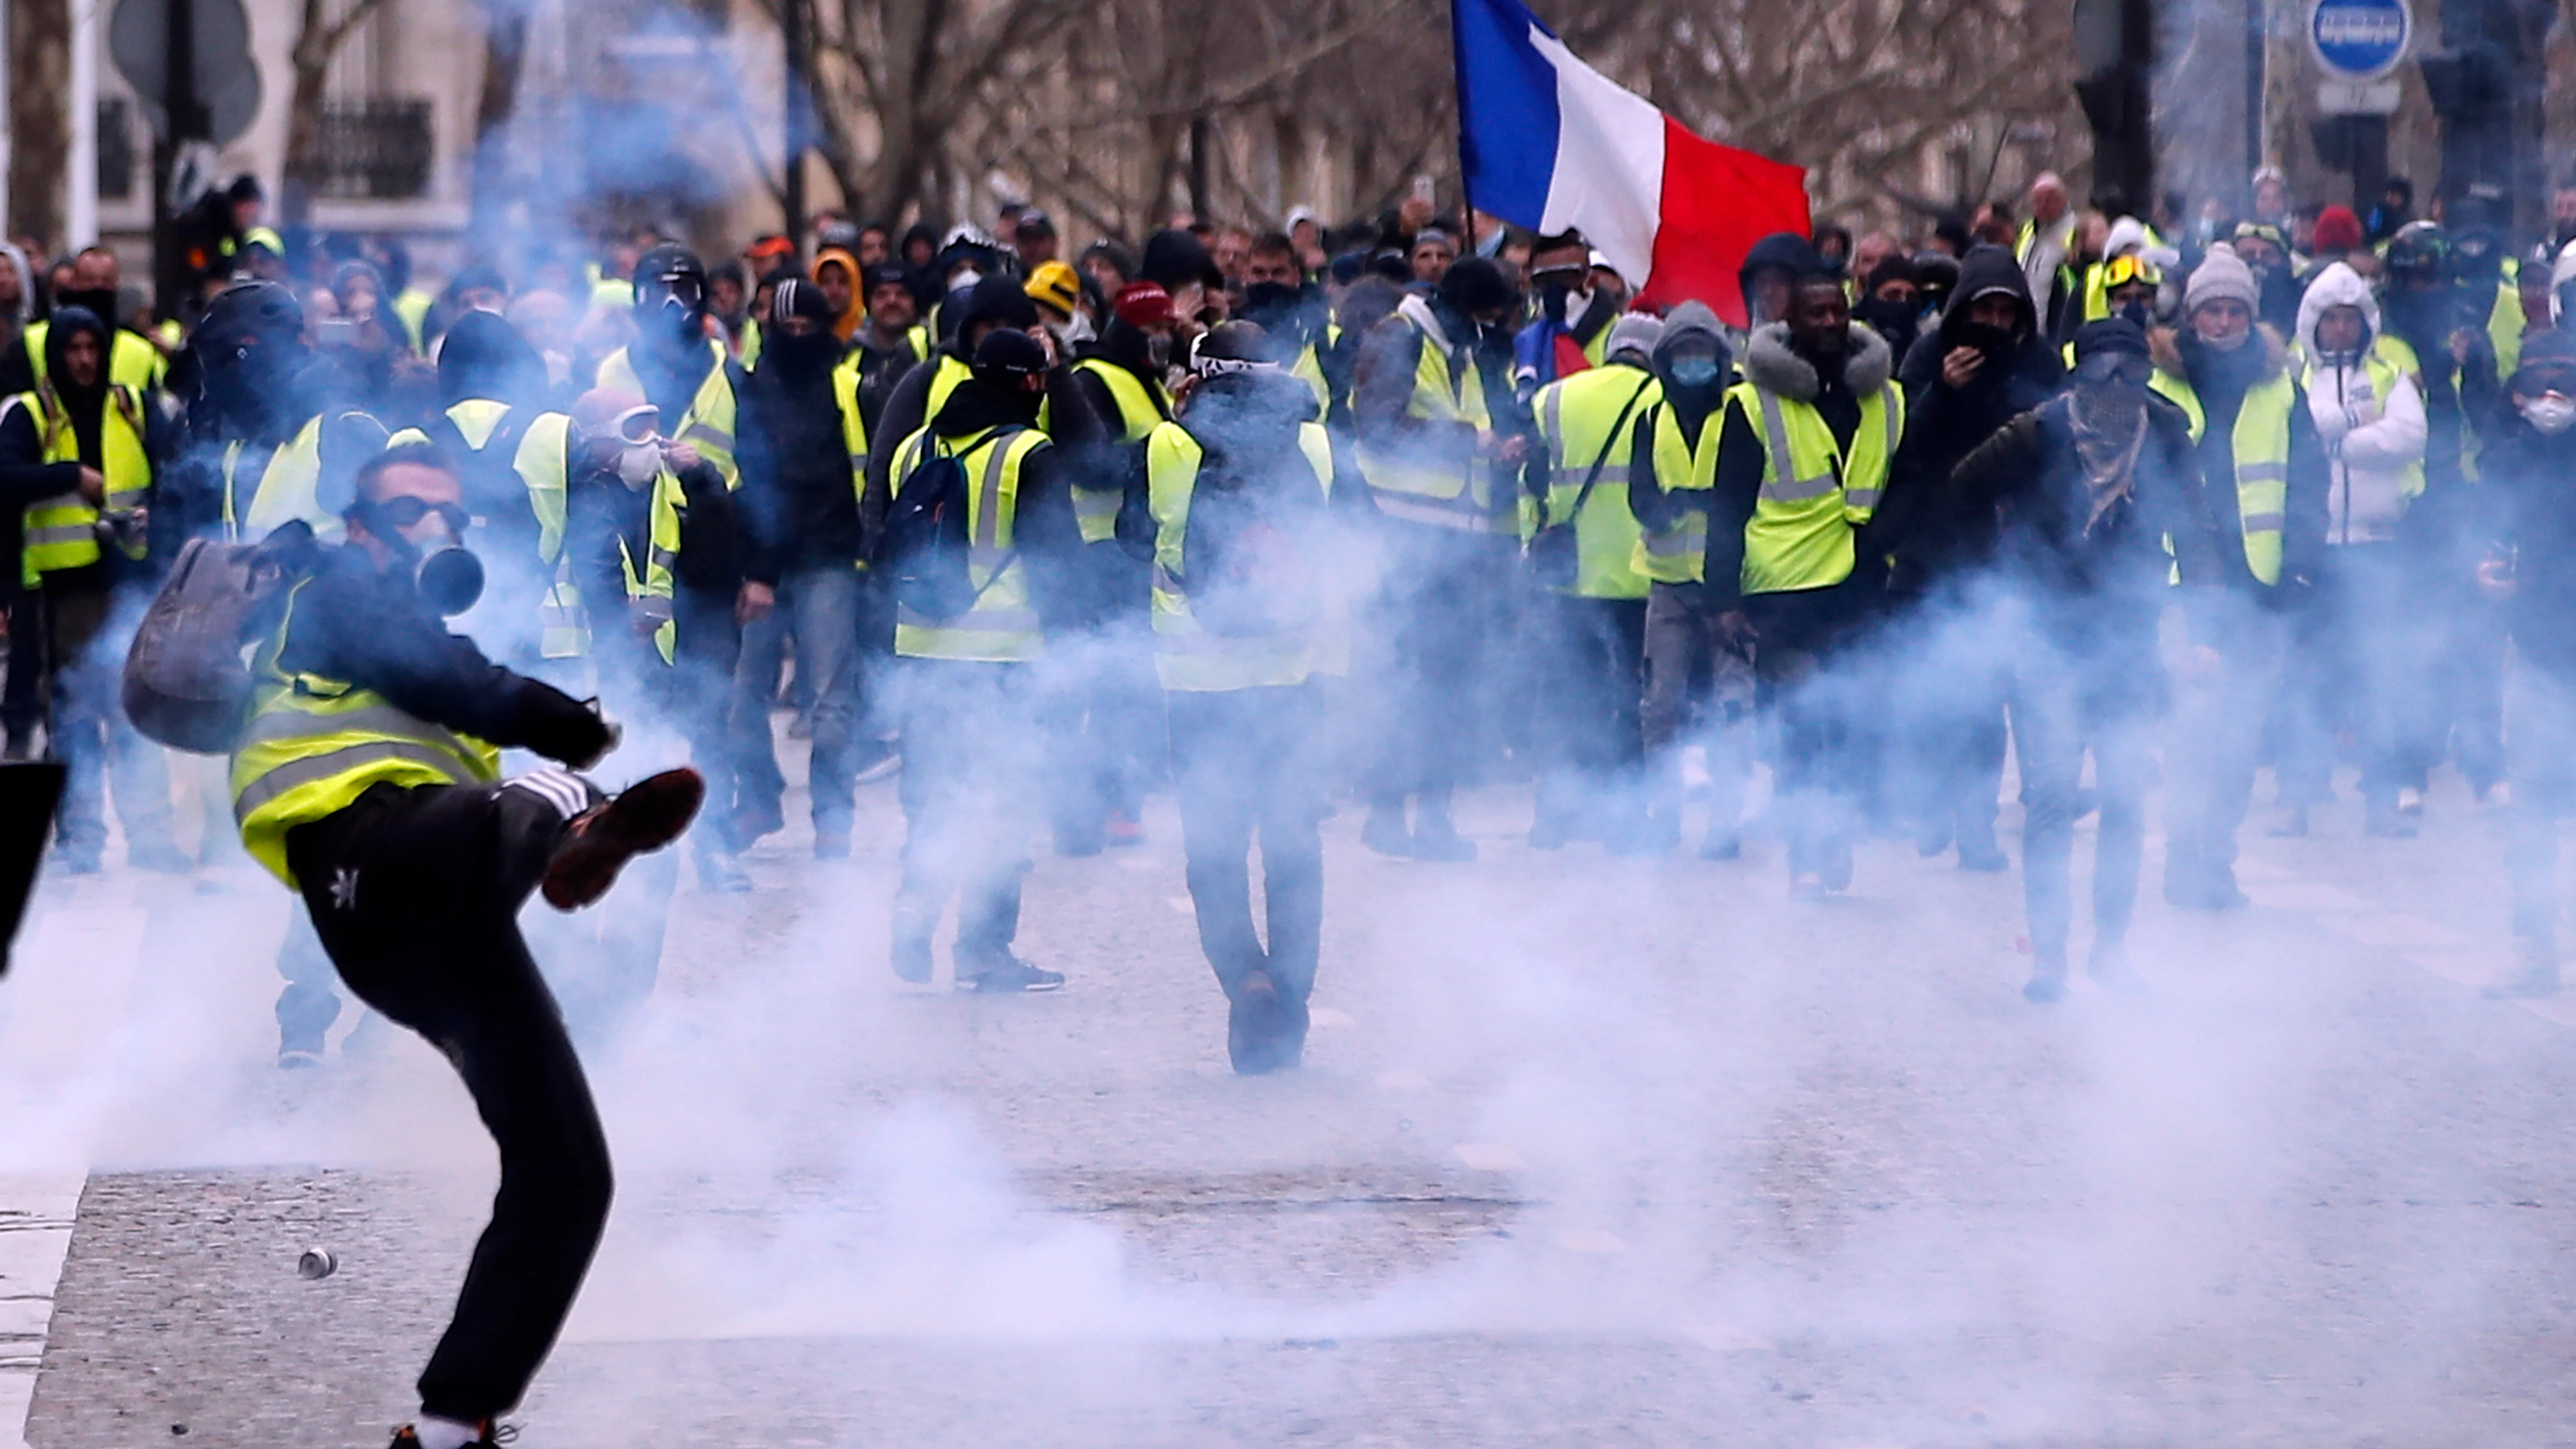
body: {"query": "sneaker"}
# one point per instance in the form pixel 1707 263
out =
pixel 598 842
pixel 2389 820
pixel 490 1436
pixel 1384 833
pixel 1264 1032
pixel 1837 872
pixel 2110 967
pixel 1007 973
pixel 1122 829
pixel 1437 838
pixel 78 862
pixel 159 857
pixel 2047 979
pixel 723 873
pixel 911 953
pixel 1983 856
pixel 2410 801
pixel 298 1058
pixel 755 822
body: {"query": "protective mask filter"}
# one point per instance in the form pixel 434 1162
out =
pixel 2550 413
pixel 449 577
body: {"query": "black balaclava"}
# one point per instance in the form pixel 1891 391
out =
pixel 799 360
pixel 251 356
pixel 84 405
pixel 484 356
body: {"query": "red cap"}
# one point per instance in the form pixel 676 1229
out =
pixel 2338 230
pixel 773 245
pixel 1143 304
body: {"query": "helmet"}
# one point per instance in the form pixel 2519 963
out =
pixel 2419 255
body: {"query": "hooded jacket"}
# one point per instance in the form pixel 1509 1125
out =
pixel 799 498
pixel 1649 501
pixel 1772 363
pixel 2372 443
pixel 2535 478
pixel 25 476
pixel 846 326
pixel 1931 529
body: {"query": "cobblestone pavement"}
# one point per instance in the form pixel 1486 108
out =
pixel 1587 1152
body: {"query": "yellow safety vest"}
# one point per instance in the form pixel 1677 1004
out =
pixel 1678 553
pixel 1142 408
pixel 1449 494
pixel 1002 627
pixel 1309 369
pixel 2261 444
pixel 132 360
pixel 540 462
pixel 854 432
pixel 945 379
pixel 708 425
pixel 2388 360
pixel 1586 418
pixel 1187 658
pixel 314 745
pixel 62 532
pixel 1814 496
pixel 289 486
pixel 411 308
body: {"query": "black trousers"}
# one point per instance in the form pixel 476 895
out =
pixel 1247 763
pixel 972 761
pixel 1586 709
pixel 416 895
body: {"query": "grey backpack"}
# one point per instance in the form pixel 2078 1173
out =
pixel 187 680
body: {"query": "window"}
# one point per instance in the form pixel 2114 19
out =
pixel 115 149
pixel 377 150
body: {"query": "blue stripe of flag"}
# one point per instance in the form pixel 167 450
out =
pixel 1507 117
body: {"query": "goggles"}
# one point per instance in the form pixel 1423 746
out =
pixel 405 511
pixel 2130 270
pixel 642 424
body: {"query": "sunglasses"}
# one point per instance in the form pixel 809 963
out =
pixel 405 511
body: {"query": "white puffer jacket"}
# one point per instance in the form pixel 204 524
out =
pixel 2374 443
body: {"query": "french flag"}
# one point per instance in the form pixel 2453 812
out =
pixel 1549 143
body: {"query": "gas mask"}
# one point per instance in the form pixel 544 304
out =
pixel 447 574
pixel 1158 349
pixel 2551 413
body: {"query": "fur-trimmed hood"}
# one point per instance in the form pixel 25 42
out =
pixel 2165 344
pixel 1772 365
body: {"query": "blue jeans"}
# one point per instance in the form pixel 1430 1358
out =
pixel 820 607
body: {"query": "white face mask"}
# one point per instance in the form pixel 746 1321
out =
pixel 2550 412
pixel 638 462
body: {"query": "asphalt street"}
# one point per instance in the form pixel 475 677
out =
pixel 1587 1151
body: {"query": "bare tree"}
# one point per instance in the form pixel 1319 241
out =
pixel 318 38
pixel 40 106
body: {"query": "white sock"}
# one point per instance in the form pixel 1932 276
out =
pixel 437 1433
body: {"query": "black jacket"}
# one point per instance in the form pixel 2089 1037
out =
pixel 1043 531
pixel 351 622
pixel 1070 425
pixel 1769 362
pixel 799 500
pixel 2094 586
pixel 1943 424
pixel 2534 478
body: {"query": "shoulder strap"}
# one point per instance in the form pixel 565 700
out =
pixel 1609 442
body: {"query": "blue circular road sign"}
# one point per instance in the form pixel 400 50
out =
pixel 2360 39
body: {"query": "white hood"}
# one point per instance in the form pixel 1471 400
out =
pixel 2337 286
pixel 2561 273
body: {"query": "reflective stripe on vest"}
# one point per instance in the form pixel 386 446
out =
pixel 314 745
pixel 1814 497
pixel 1002 627
pixel 1454 492
pixel 1140 410
pixel 1679 554
pixel 132 360
pixel 1587 420
pixel 854 430
pixel 62 532
pixel 1187 658
pixel 2260 445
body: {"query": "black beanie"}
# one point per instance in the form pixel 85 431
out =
pixel 1475 284
pixel 998 300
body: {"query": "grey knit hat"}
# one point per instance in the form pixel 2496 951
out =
pixel 2221 275
pixel 1635 333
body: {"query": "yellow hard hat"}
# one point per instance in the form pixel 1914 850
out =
pixel 1053 284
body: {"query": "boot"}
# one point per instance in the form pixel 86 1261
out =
pixel 2047 976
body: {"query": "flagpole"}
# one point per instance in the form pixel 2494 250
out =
pixel 1458 89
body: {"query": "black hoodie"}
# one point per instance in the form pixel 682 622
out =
pixel 1930 527
pixel 26 477
pixel 1043 530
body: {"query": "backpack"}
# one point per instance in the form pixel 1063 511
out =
pixel 494 491
pixel 928 548
pixel 187 684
